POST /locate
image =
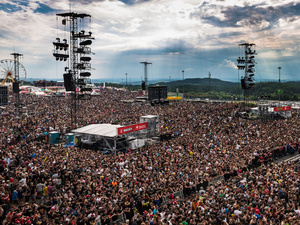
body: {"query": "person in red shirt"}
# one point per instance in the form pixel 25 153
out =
pixel 256 210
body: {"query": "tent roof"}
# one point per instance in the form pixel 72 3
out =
pixel 149 116
pixel 105 130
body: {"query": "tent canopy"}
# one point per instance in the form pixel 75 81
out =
pixel 104 130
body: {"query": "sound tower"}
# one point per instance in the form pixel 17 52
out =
pixel 143 86
pixel 16 88
pixel 243 83
pixel 157 92
pixel 3 96
pixel 69 82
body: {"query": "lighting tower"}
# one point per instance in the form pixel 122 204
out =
pixel 247 63
pixel 77 54
pixel 279 90
pixel 182 84
pixel 209 76
pixel 16 88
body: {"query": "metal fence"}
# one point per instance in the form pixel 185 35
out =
pixel 178 193
pixel 121 219
pixel 216 180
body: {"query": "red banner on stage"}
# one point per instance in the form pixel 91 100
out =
pixel 132 128
pixel 283 108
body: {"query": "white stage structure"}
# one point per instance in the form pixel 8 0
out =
pixel 110 138
pixel 153 125
pixel 267 111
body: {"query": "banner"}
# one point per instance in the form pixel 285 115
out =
pixel 132 128
pixel 283 108
pixel 173 98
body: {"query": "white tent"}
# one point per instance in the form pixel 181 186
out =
pixel 104 136
pixel 104 130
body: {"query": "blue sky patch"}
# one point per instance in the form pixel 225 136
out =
pixel 9 8
pixel 44 9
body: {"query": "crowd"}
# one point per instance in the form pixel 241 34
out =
pixel 172 182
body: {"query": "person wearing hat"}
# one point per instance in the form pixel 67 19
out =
pixel 253 220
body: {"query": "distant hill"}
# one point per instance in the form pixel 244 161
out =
pixel 219 89
pixel 202 85
pixel 199 81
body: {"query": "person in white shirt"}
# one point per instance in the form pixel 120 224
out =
pixel 23 181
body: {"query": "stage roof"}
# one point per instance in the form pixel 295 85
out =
pixel 105 130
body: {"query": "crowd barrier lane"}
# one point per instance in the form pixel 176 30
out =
pixel 180 194
pixel 284 151
pixel 164 200
pixel 275 153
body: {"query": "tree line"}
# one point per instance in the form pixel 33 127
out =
pixel 225 90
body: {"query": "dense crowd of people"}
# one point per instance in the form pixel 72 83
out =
pixel 210 167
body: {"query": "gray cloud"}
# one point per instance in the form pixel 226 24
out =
pixel 127 2
pixel 290 9
pixel 85 2
pixel 249 15
pixel 171 34
pixel 133 2
pixel 172 47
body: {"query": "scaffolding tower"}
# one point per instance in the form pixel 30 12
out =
pixel 146 72
pixel 16 88
pixel 247 63
pixel 77 55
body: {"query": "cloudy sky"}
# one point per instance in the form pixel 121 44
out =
pixel 192 35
